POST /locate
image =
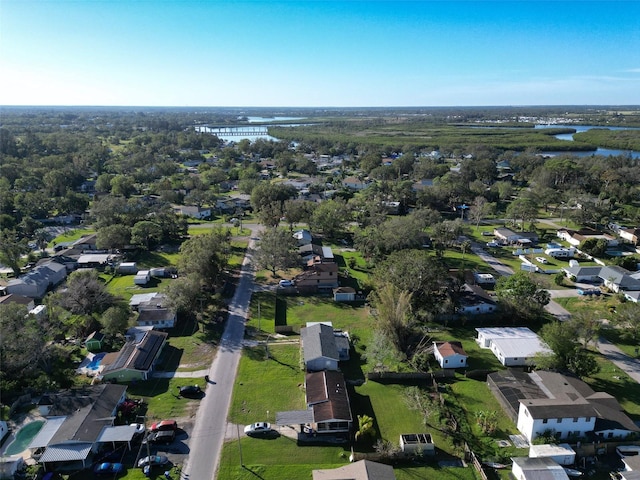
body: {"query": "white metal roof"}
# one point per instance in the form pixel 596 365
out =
pixel 47 432
pixel 121 433
pixel 66 452
pixel 520 347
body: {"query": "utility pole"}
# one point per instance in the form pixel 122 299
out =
pixel 259 317
pixel 239 445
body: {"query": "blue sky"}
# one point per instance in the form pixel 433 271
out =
pixel 317 53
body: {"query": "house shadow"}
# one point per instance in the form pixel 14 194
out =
pixel 362 404
pixel 170 358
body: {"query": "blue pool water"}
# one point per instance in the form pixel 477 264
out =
pixel 94 364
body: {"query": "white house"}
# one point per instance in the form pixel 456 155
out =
pixel 525 468
pixel 505 235
pixel 512 346
pixel 354 183
pixel 569 408
pixel 474 300
pixel 450 354
pixel 193 211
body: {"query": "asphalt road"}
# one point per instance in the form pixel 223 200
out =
pixel 210 423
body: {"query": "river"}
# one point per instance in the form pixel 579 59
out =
pixel 599 151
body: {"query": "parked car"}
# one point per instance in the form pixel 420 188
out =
pixel 107 468
pixel 193 391
pixel 139 428
pixel 588 291
pixel 493 244
pixel 285 283
pixel 164 425
pixel 628 450
pixel 153 460
pixel 161 436
pixel 258 429
pixel 542 260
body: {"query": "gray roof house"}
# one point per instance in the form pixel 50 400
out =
pixel 319 346
pixel 618 279
pixel 361 470
pixel 38 281
pixel 583 274
pixel 76 421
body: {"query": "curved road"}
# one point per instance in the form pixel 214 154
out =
pixel 210 423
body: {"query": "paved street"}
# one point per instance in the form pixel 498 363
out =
pixel 210 424
pixel 631 366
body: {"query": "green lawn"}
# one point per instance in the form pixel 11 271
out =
pixel 266 385
pixel 71 236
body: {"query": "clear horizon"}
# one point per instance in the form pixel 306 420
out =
pixel 317 54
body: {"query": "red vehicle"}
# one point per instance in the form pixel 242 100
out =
pixel 164 425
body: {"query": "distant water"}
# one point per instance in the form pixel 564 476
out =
pixel 606 152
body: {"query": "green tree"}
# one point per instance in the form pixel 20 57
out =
pixel 330 217
pixel 392 313
pixel 205 257
pixel 86 293
pixel 522 294
pixel 146 234
pixel 115 319
pixel 276 250
pixel 113 236
pixel 12 249
pixel 365 428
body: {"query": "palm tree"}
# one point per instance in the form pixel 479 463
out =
pixel 365 427
pixel 465 247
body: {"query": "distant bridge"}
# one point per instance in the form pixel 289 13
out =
pixel 237 131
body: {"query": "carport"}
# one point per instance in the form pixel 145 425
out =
pixel 121 433
pixel 294 417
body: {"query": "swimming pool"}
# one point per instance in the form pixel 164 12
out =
pixel 94 364
pixel 24 437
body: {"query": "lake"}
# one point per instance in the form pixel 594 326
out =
pixel 599 151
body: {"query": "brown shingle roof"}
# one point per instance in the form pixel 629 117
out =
pixel 327 396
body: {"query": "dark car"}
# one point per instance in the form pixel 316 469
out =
pixel 192 391
pixel 161 436
pixel 107 468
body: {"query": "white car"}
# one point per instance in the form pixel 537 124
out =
pixel 493 244
pixel 258 428
pixel 542 260
pixel 285 283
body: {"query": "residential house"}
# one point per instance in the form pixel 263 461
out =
pixel 512 346
pixel 94 260
pixel 94 342
pixel 583 274
pixel 137 358
pixel 77 422
pixel 319 347
pixel 318 276
pixel 86 242
pixel 576 237
pixel 354 183
pixel 193 211
pixel 566 406
pixel 504 235
pixel 141 298
pixel 328 399
pixel 450 354
pixel 37 282
pixel 525 468
pixel 630 235
pixel 14 298
pixel 474 300
pixel 360 470
pixel 618 279
pixel 157 316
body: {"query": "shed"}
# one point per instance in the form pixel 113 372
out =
pixel 127 268
pixel 142 277
pixel 525 468
pixel 450 354
pixel 94 342
pixel 344 294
